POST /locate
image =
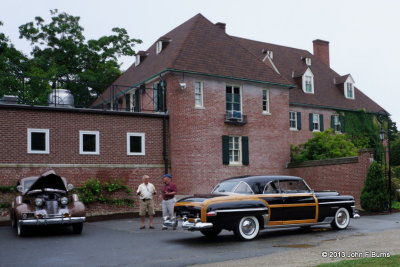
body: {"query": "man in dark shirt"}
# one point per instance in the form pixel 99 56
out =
pixel 168 193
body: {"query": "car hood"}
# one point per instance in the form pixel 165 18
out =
pixel 48 180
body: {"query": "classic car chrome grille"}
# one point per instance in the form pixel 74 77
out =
pixel 188 211
pixel 52 207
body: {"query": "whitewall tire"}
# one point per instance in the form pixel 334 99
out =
pixel 247 228
pixel 341 220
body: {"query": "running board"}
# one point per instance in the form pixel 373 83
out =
pixel 327 220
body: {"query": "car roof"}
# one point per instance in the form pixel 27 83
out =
pixel 262 178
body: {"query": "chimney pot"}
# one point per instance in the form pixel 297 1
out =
pixel 221 25
pixel 321 50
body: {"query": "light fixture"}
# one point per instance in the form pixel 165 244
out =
pixel 382 134
pixel 182 85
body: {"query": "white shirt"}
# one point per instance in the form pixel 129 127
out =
pixel 146 191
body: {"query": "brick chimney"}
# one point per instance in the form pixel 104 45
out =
pixel 221 25
pixel 321 50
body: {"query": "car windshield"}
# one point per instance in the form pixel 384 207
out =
pixel 226 186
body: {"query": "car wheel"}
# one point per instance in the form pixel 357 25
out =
pixel 341 220
pixel 77 228
pixel 21 231
pixel 211 233
pixel 247 228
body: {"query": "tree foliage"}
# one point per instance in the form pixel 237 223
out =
pixel 374 196
pixel 394 156
pixel 61 57
pixel 324 145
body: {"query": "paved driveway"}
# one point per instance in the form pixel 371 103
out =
pixel 121 243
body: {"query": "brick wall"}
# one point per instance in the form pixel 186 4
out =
pixel 347 175
pixel 196 134
pixel 64 157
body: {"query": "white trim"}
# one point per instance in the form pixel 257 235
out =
pixel 201 94
pixel 47 141
pixel 159 46
pixel 137 60
pixel 241 95
pixel 128 144
pixel 97 150
pixel 308 73
pixel 316 115
pixel 295 120
pixel 349 81
pixel 267 111
pixel 240 162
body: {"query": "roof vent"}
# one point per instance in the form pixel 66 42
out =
pixel 140 56
pixel 308 61
pixel 269 53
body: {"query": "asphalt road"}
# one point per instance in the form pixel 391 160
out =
pixel 121 243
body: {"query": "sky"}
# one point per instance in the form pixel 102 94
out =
pixel 364 35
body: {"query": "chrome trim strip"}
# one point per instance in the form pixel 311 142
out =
pixel 336 202
pixel 239 210
pixel 52 221
pixel 327 220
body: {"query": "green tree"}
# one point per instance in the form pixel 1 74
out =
pixel 12 65
pixel 395 151
pixel 374 196
pixel 324 145
pixel 62 56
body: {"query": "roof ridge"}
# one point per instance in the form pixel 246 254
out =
pixel 190 32
pixel 232 37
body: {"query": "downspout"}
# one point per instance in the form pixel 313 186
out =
pixel 164 126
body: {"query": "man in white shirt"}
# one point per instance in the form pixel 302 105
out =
pixel 146 191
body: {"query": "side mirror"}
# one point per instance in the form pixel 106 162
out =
pixel 70 187
pixel 20 188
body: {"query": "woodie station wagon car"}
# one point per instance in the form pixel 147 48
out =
pixel 247 204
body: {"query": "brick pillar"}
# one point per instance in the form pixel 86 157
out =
pixel 321 50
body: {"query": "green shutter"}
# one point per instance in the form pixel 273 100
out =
pixel 225 149
pixel 298 120
pixel 342 124
pixel 333 122
pixel 245 150
pixel 321 122
pixel 311 121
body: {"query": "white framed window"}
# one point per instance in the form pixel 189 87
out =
pixel 235 150
pixel 265 101
pixel 135 144
pixel 159 47
pixel 89 142
pixel 198 95
pixel 38 141
pixel 337 126
pixel 349 90
pixel 308 82
pixel 293 120
pixel 233 101
pixel 316 122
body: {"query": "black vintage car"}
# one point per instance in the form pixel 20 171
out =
pixel 45 200
pixel 248 204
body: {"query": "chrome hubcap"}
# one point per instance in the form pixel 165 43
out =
pixel 248 227
pixel 341 218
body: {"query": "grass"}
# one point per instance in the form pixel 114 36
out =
pixel 392 261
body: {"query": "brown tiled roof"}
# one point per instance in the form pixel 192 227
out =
pixel 326 94
pixel 341 79
pixel 200 46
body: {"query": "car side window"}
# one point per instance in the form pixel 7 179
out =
pixel 243 188
pixel 296 186
pixel 271 188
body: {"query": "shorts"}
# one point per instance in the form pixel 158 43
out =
pixel 146 206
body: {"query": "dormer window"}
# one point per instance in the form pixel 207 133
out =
pixel 159 47
pixel 349 90
pixel 137 60
pixel 162 44
pixel 308 82
pixel 308 61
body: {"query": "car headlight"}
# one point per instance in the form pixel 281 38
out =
pixel 39 202
pixel 64 200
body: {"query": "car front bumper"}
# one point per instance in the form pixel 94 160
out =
pixel 196 225
pixel 48 221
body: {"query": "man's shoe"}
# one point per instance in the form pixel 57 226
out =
pixel 142 227
pixel 164 228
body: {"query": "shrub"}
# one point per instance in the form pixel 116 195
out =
pixel 374 196
pixel 324 145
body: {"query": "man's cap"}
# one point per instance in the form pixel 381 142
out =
pixel 168 175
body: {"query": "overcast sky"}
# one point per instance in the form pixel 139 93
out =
pixel 364 35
